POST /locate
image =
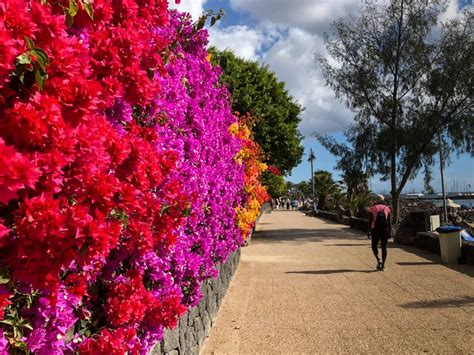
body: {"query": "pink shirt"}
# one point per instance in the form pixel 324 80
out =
pixel 375 209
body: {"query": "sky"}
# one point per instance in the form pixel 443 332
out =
pixel 286 35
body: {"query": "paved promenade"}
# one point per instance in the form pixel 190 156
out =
pixel 306 285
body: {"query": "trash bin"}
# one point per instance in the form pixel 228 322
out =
pixel 450 243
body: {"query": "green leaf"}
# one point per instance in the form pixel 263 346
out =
pixel 164 209
pixel 23 323
pixel 4 276
pixel 69 20
pixel 8 322
pixel 213 20
pixel 187 212
pixel 29 42
pixel 88 8
pixel 23 58
pixel 151 73
pixel 40 79
pixel 69 335
pixel 72 8
pixel 41 57
pixel 4 280
pixel 200 24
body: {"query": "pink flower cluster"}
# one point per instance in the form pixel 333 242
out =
pixel 118 183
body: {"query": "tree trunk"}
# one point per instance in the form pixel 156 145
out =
pixel 395 193
pixel 395 209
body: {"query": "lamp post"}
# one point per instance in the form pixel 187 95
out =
pixel 470 197
pixel 441 163
pixel 311 158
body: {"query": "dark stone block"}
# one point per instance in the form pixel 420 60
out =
pixel 467 253
pixel 427 241
pixel 361 224
pixel 193 312
pixel 199 330
pixel 202 306
pixel 206 322
pixel 212 306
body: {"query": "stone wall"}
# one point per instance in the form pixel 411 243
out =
pixel 412 223
pixel 188 337
pixel 361 224
pixel 430 241
pixel 333 216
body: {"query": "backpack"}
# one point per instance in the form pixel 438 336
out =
pixel 381 223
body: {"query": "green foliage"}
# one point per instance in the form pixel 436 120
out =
pixel 31 63
pixel 71 10
pixel 350 163
pixel 427 181
pixel 14 325
pixel 214 16
pixel 256 90
pixel 326 188
pixel 406 85
pixel 304 188
pixel 358 204
pixel 275 184
pixel 121 216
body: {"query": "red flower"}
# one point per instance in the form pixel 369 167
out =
pixel 113 342
pixel 4 301
pixel 16 172
pixel 127 301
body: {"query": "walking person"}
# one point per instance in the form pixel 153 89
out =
pixel 379 229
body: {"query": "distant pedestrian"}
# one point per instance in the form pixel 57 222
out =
pixel 294 204
pixel 288 202
pixel 379 229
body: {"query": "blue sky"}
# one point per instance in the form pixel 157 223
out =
pixel 286 35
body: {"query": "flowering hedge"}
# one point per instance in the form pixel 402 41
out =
pixel 120 183
pixel 251 157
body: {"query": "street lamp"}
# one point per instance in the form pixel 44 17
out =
pixel 310 159
pixel 441 163
pixel 470 197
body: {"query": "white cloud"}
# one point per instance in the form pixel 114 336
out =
pixel 314 16
pixel 292 58
pixel 242 40
pixel 194 7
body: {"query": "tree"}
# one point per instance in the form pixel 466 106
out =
pixel 353 175
pixel 408 82
pixel 256 90
pixel 276 185
pixel 304 188
pixel 325 187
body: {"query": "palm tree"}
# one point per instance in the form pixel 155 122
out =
pixel 326 187
pixel 356 182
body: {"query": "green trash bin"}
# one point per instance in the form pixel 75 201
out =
pixel 450 243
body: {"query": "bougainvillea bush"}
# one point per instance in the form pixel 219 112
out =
pixel 250 157
pixel 120 182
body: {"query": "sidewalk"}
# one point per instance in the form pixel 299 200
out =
pixel 306 285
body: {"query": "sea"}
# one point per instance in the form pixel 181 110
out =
pixel 466 202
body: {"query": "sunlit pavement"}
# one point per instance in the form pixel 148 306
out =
pixel 306 285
